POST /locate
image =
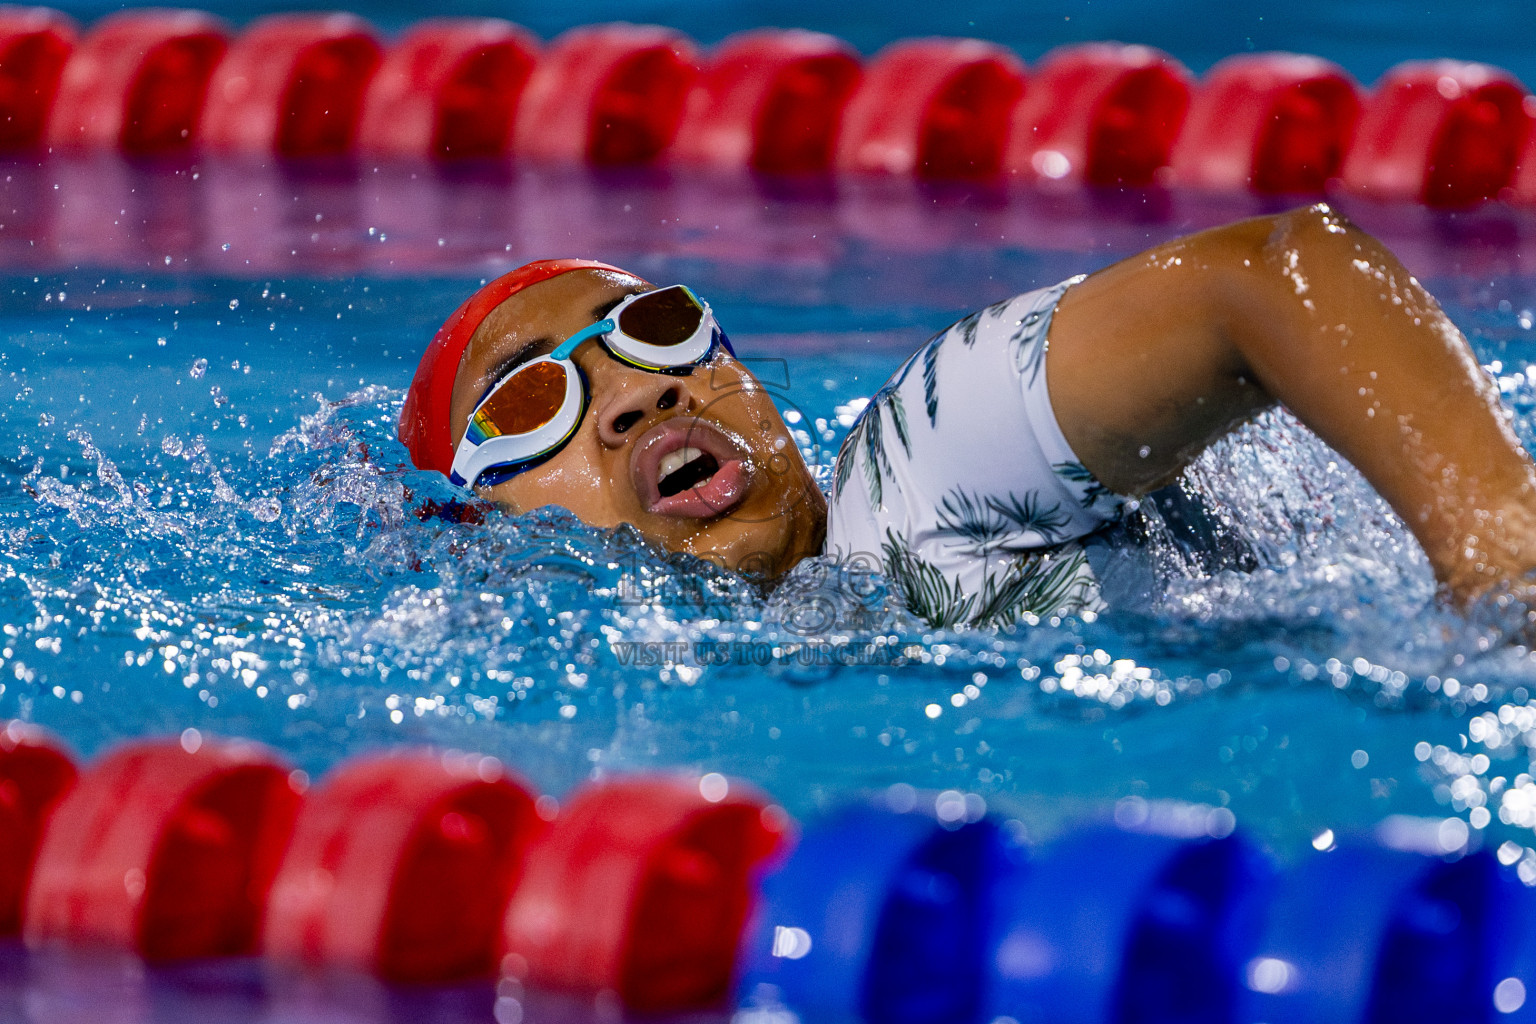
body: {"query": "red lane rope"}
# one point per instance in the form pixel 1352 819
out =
pixel 415 865
pixel 299 86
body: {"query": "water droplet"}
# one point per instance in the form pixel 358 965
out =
pixel 714 787
pixel 191 740
pixel 266 510
pixel 1509 995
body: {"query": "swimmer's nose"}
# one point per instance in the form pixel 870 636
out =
pixel 627 410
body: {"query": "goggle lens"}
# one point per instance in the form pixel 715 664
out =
pixel 667 317
pixel 522 403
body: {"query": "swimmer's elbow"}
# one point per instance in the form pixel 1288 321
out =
pixel 1234 251
pixel 1261 272
pixel 1318 225
pixel 1300 231
pixel 1281 251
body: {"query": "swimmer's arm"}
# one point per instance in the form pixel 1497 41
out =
pixel 1154 358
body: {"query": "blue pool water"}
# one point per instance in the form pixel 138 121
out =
pixel 206 521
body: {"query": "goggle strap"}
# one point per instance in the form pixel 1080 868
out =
pixel 574 341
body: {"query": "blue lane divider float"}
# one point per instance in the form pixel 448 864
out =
pixel 1377 935
pixel 880 916
pixel 1115 925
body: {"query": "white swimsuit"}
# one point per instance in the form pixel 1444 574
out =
pixel 957 482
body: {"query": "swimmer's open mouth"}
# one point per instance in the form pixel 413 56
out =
pixel 686 467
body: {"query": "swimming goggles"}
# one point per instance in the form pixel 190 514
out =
pixel 531 413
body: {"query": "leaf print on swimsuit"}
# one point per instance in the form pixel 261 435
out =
pixel 899 421
pixel 1077 474
pixel 966 328
pixel 1037 583
pixel 931 380
pixel 1032 515
pixel 863 441
pixel 843 468
pixel 1040 584
pixel 925 590
pixel 1028 346
pixel 986 520
pixel 868 438
pixel 966 515
pixel 1028 343
pixel 967 325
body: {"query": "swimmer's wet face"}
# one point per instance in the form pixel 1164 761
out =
pixel 699 461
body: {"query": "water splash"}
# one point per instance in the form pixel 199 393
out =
pixel 307 588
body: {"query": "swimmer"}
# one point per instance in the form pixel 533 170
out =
pixel 975 473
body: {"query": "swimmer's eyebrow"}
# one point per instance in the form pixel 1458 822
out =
pixel 602 309
pixel 543 346
pixel 528 352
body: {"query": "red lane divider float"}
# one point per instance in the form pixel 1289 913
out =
pixel 166 849
pixel 1102 114
pixel 296 86
pixel 449 90
pixel 35 773
pixel 402 865
pixel 1444 133
pixel 642 887
pixel 936 108
pixel 1523 189
pixel 608 94
pixel 137 83
pixel 292 85
pixel 35 43
pixel 770 100
pixel 1273 122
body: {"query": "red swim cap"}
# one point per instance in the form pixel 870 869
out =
pixel 424 427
